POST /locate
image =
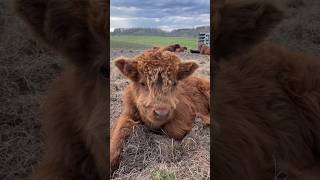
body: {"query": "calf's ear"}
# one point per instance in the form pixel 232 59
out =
pixel 128 68
pixel 239 25
pixel 186 69
pixel 66 26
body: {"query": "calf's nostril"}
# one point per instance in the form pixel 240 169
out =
pixel 161 113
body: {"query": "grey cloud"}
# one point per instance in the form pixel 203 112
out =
pixel 171 14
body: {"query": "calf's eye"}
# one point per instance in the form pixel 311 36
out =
pixel 174 83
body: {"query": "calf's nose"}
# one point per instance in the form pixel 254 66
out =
pixel 161 113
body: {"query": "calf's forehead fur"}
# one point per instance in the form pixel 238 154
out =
pixel 152 62
pixel 157 66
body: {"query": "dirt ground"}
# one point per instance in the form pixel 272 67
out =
pixel 145 154
pixel 26 69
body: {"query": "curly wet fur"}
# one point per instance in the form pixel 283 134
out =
pixel 76 107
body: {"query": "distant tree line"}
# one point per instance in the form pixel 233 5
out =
pixel 159 32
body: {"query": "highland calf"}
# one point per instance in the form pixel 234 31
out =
pixel 174 48
pixel 266 99
pixel 204 49
pixel 76 109
pixel 162 94
pixel 181 49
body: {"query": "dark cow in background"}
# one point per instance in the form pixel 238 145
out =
pixel 181 49
pixel 174 48
pixel 266 99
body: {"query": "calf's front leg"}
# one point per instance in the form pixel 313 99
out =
pixel 204 118
pixel 119 131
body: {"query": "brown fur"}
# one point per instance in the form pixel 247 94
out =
pixel 75 111
pixel 175 48
pixel 266 100
pixel 181 49
pixel 172 48
pixel 204 49
pixel 159 80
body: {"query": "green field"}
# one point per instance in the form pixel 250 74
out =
pixel 142 42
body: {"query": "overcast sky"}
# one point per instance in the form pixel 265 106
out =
pixel 164 14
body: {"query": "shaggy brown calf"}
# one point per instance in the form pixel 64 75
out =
pixel 76 109
pixel 174 48
pixel 266 101
pixel 162 95
pixel 181 49
pixel 204 49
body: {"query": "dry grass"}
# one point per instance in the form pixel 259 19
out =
pixel 26 70
pixel 150 156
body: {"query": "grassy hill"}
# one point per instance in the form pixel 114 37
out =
pixel 186 32
pixel 142 42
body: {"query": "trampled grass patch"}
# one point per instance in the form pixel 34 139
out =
pixel 141 42
pixel 163 175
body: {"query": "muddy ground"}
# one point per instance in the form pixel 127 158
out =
pixel 145 153
pixel 26 69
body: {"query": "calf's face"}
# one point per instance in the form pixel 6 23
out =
pixel 156 76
